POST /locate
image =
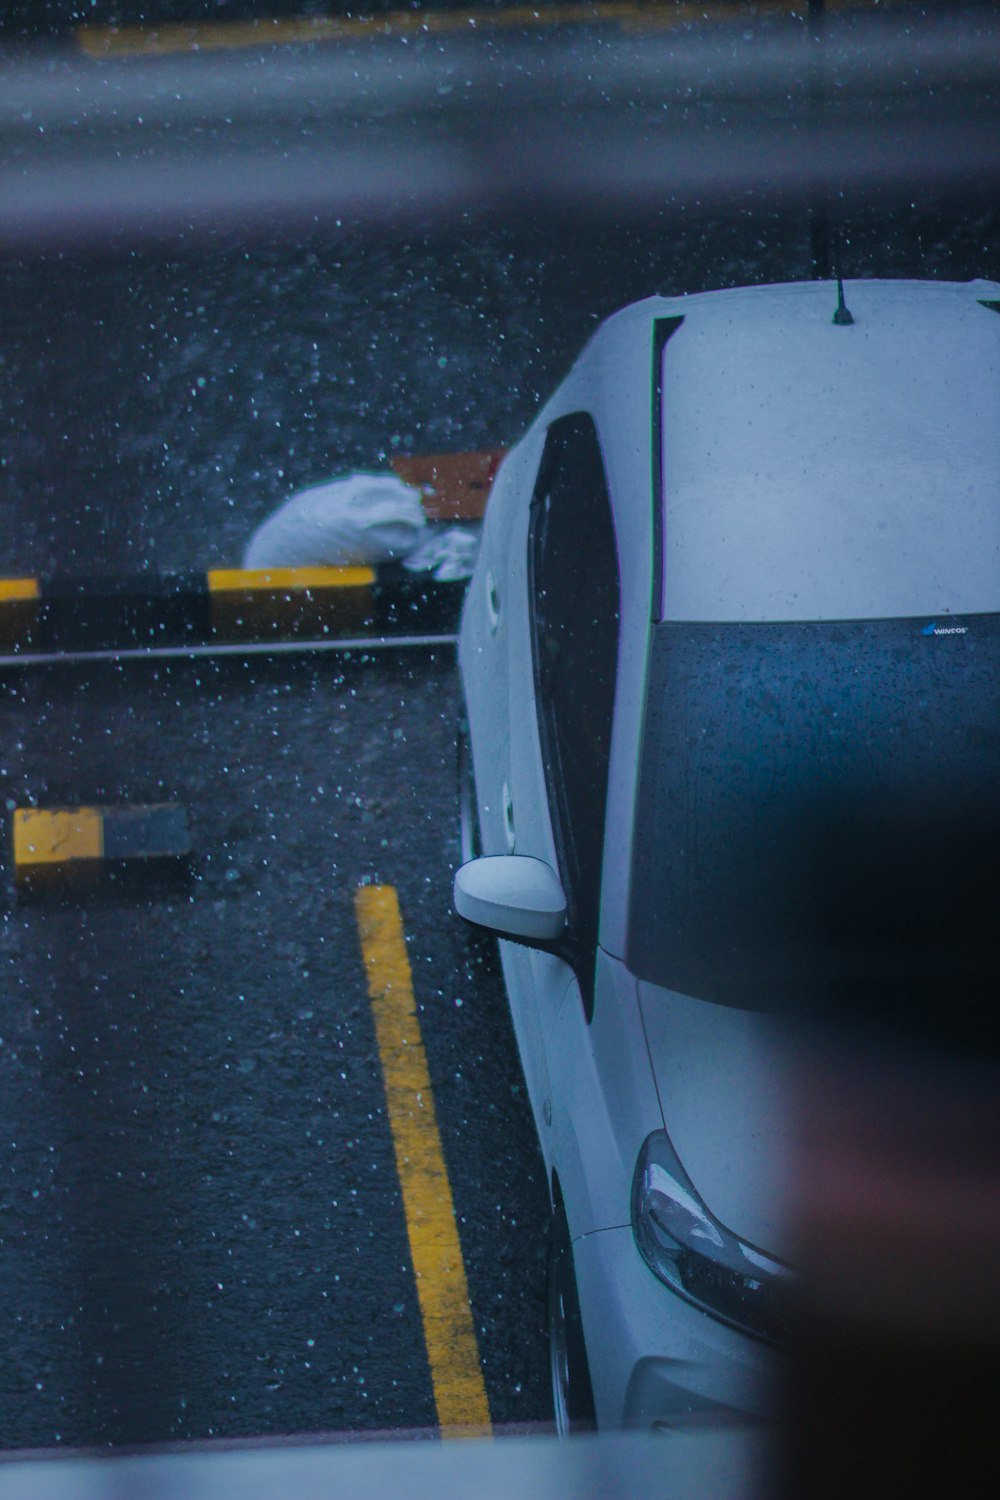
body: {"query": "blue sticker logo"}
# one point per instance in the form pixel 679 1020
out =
pixel 935 629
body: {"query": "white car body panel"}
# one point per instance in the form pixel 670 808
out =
pixel 654 1359
pixel 884 522
pixel 538 981
pixel 726 1076
pixel 606 1103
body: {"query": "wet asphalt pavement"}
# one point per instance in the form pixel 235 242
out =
pixel 202 1227
pixel 201 1231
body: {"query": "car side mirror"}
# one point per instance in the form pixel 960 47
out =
pixel 514 896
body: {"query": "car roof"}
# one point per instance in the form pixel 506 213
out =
pixel 788 300
pixel 817 471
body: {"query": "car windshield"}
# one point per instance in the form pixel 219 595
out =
pixel 816 822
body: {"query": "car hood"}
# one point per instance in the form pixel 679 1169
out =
pixel 724 1078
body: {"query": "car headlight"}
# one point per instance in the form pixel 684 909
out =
pixel 688 1249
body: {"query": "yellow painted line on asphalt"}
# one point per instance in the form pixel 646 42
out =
pixel 16 589
pixel 459 1391
pixel 251 580
pixel 130 41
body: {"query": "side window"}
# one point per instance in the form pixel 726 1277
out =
pixel 574 593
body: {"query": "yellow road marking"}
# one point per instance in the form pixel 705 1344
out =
pixel 48 837
pixel 247 580
pixel 459 1391
pixel 19 588
pixel 125 41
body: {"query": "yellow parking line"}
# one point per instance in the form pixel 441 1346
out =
pixel 14 590
pixel 124 41
pixel 248 580
pixel 459 1391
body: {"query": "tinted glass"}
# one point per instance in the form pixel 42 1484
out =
pixel 817 820
pixel 574 577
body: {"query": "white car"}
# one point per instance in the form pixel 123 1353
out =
pixel 735 611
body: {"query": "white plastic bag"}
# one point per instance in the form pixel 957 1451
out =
pixel 448 555
pixel 362 518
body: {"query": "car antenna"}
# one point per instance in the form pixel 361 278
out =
pixel 843 312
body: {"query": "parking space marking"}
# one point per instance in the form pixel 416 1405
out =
pixel 125 41
pixel 442 1288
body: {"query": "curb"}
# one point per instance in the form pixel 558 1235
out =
pixel 69 614
pixel 53 843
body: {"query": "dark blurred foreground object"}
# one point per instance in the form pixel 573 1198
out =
pixel 897 1366
pixel 730 1465
pixel 901 896
pixel 553 125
